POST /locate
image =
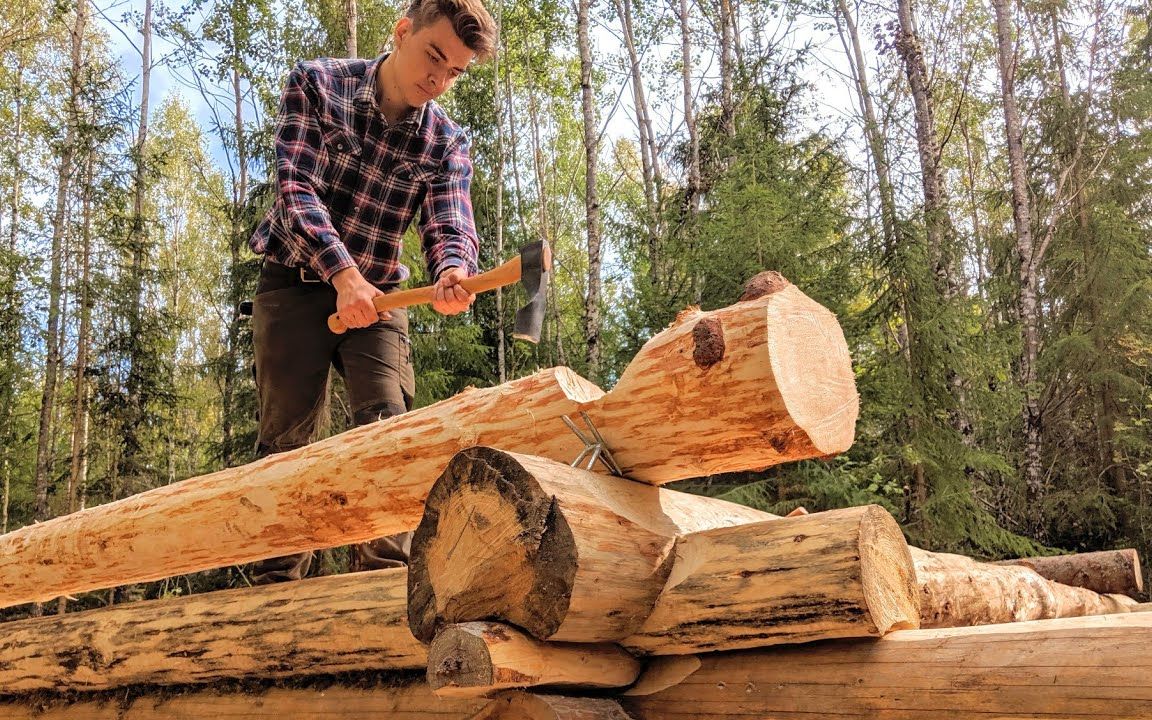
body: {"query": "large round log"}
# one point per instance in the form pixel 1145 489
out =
pixel 480 658
pixel 327 625
pixel 765 381
pixel 762 382
pixel 1066 669
pixel 564 553
pixel 1107 571
pixel 958 591
pixel 835 574
pixel 515 705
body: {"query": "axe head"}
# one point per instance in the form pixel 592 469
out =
pixel 535 268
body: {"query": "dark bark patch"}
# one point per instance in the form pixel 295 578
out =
pixel 708 334
pixel 764 283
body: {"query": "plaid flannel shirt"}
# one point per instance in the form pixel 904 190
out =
pixel 349 183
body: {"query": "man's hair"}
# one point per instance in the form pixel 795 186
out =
pixel 471 21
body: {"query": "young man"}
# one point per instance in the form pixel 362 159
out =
pixel 361 148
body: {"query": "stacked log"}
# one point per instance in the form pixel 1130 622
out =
pixel 777 359
pixel 403 699
pixel 1113 572
pixel 319 626
pixel 959 591
pixel 530 575
pixel 480 658
pixel 1062 669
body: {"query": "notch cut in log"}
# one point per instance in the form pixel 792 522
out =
pixel 1107 571
pixel 835 574
pixel 309 627
pixel 480 658
pixel 1067 669
pixel 566 554
pixel 959 591
pixel 514 705
pixel 781 390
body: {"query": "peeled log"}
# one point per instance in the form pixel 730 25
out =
pixel 479 658
pixel 958 591
pixel 1107 571
pixel 765 381
pixel 412 701
pixel 566 554
pixel 836 574
pixel 1066 669
pixel 525 706
pixel 323 625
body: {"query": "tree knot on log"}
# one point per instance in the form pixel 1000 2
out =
pixel 762 284
pixel 708 335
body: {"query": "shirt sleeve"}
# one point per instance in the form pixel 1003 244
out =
pixel 447 226
pixel 301 161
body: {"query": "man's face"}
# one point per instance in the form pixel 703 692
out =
pixel 430 59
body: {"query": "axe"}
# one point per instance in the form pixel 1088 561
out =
pixel 530 267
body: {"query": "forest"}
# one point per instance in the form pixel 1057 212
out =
pixel 966 185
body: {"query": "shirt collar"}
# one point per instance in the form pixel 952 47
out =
pixel 366 94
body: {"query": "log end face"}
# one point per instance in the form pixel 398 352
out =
pixel 887 573
pixel 459 663
pixel 812 369
pixel 489 547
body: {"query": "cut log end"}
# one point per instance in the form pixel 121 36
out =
pixel 813 373
pixel 458 660
pixel 487 527
pixel 888 573
pixel 479 659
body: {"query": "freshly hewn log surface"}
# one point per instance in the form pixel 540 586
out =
pixel 317 626
pixel 956 591
pixel 1107 571
pixel 412 701
pixel 1067 669
pixel 836 574
pixel 478 659
pixel 525 706
pixel 762 382
pixel 765 381
pixel 566 554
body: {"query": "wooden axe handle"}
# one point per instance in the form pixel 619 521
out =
pixel 501 276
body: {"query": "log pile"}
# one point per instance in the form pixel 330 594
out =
pixel 539 591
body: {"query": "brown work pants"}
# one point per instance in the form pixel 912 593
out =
pixel 294 350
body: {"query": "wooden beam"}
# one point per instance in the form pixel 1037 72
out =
pixel 317 626
pixel 958 591
pixel 835 574
pixel 410 701
pixel 765 381
pixel 566 554
pixel 1107 571
pixel 514 705
pixel 478 659
pixel 1065 669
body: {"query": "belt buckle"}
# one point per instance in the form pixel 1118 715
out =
pixel 304 278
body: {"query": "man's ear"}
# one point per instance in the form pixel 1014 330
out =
pixel 402 30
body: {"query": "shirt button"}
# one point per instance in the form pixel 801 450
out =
pixel 340 146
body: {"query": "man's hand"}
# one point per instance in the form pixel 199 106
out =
pixel 450 298
pixel 354 299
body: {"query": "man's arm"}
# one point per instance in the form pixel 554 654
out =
pixel 448 230
pixel 301 161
